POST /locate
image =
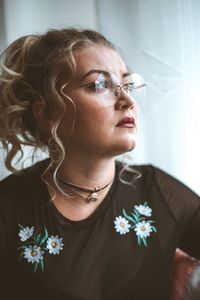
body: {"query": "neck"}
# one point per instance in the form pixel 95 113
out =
pixel 87 172
pixel 83 172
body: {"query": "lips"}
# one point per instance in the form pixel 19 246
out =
pixel 127 122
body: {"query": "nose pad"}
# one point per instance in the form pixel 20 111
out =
pixel 118 90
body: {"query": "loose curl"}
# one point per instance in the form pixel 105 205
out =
pixel 36 68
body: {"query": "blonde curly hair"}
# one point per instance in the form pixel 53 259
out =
pixel 36 68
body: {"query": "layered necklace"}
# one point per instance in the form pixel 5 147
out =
pixel 77 189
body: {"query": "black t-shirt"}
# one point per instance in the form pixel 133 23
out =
pixel 123 251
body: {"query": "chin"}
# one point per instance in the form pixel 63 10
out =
pixel 127 146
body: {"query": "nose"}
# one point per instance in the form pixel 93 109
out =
pixel 124 101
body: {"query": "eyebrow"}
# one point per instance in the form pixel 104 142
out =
pixel 102 71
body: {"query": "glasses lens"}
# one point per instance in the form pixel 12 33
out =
pixel 105 88
pixel 137 87
pixel 108 87
pixel 103 84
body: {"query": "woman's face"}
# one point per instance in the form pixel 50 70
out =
pixel 105 125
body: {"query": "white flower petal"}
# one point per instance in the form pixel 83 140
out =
pixel 121 225
pixel 144 210
pixel 26 233
pixel 54 244
pixel 33 254
pixel 143 229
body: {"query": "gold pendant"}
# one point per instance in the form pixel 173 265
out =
pixel 93 197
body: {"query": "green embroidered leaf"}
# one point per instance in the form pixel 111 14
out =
pixel 29 243
pixel 151 221
pixel 21 255
pixel 41 265
pixel 21 247
pixel 136 219
pixel 45 237
pixel 35 267
pixel 144 241
pixel 37 238
pixel 20 226
pixel 139 240
pixel 136 213
pixel 127 216
pixel 153 228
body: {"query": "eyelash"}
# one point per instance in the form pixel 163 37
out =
pixel 91 86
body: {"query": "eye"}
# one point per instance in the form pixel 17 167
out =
pixel 91 86
pixel 102 85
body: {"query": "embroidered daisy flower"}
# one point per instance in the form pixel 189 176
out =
pixel 54 244
pixel 144 210
pixel 26 233
pixel 33 254
pixel 143 229
pixel 121 225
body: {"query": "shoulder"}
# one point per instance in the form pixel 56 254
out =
pixel 132 173
pixel 145 169
pixel 162 178
pixel 159 181
pixel 22 180
pixel 20 197
pixel 178 197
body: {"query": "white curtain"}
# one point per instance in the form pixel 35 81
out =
pixel 161 40
pixel 21 17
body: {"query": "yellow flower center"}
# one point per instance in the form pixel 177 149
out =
pixel 53 244
pixel 142 228
pixel 33 253
pixel 122 224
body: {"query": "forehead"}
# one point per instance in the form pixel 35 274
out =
pixel 101 58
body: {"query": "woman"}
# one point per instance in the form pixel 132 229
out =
pixel 79 225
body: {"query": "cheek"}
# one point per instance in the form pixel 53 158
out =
pixel 65 128
pixel 94 118
pixel 102 118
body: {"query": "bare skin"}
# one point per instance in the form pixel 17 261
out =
pixel 96 138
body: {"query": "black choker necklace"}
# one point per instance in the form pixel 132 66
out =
pixel 93 196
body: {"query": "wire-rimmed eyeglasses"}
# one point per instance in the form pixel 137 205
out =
pixel 107 85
